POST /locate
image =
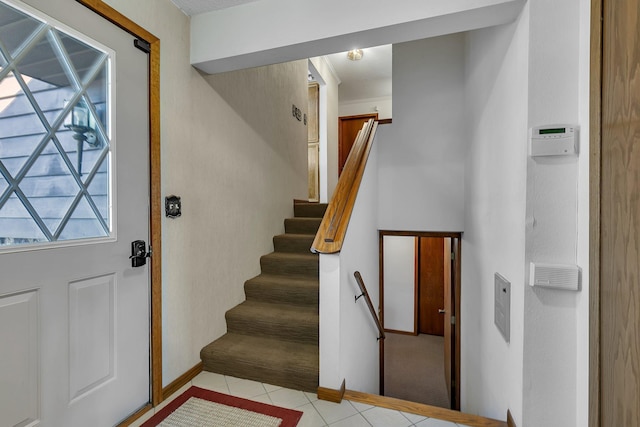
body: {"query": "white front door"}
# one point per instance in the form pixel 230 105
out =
pixel 74 194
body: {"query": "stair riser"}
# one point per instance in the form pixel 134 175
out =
pixel 284 376
pixel 294 267
pixel 283 295
pixel 300 333
pixel 310 210
pixel 302 225
pixel 292 245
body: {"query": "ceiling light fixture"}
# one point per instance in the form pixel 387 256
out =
pixel 355 54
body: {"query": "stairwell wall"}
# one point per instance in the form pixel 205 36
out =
pixel 348 334
pixel 421 154
pixel 232 150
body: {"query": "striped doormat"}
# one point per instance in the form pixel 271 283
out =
pixel 198 407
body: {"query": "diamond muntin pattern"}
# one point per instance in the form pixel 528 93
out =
pixel 53 136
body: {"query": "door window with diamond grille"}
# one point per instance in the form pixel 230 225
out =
pixel 55 148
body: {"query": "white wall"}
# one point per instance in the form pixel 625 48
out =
pixel 494 236
pixel 348 335
pixel 556 323
pixel 399 274
pixel 382 106
pixel 237 166
pixel 421 157
pixel 530 73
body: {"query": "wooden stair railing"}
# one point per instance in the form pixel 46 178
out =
pixel 367 299
pixel 333 228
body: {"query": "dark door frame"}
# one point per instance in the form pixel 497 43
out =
pixel 456 248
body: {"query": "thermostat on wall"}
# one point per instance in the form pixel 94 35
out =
pixel 554 140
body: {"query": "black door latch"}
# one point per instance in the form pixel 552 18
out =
pixel 139 253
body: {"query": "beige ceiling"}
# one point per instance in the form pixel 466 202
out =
pixel 367 78
pixel 194 7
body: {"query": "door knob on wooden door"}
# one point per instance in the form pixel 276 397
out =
pixel 442 311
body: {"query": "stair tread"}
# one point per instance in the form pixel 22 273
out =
pixel 280 312
pixel 309 209
pixel 293 243
pixel 284 280
pixel 295 236
pixel 269 360
pixel 292 256
pixel 302 225
pixel 239 342
pixel 290 263
pixel 296 290
pixel 296 323
pixel 304 219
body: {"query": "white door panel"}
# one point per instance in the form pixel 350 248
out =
pixel 74 320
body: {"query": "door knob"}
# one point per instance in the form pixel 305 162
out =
pixel 139 253
pixel 442 311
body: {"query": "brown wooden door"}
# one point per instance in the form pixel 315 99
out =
pixel 619 293
pixel 348 127
pixel 431 292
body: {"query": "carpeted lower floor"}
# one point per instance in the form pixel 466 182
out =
pixel 414 369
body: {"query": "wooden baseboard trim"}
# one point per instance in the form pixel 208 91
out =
pixel 394 331
pixel 176 384
pixel 330 394
pixel 421 409
pixel 510 421
pixel 139 413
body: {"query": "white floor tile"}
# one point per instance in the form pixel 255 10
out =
pixel 211 381
pixel 432 422
pixel 414 418
pixel 332 412
pixel 142 419
pixel 311 396
pixel 383 417
pixel 353 421
pixel 361 406
pixel 270 387
pixel 263 398
pixel 311 417
pixel 246 388
pixel 288 398
pixel 231 379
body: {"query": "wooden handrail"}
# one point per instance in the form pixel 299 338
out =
pixel 333 227
pixel 367 299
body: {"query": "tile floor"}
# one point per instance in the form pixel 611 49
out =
pixel 317 413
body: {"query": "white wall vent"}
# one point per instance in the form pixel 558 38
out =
pixel 558 276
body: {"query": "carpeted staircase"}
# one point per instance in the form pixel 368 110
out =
pixel 272 337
